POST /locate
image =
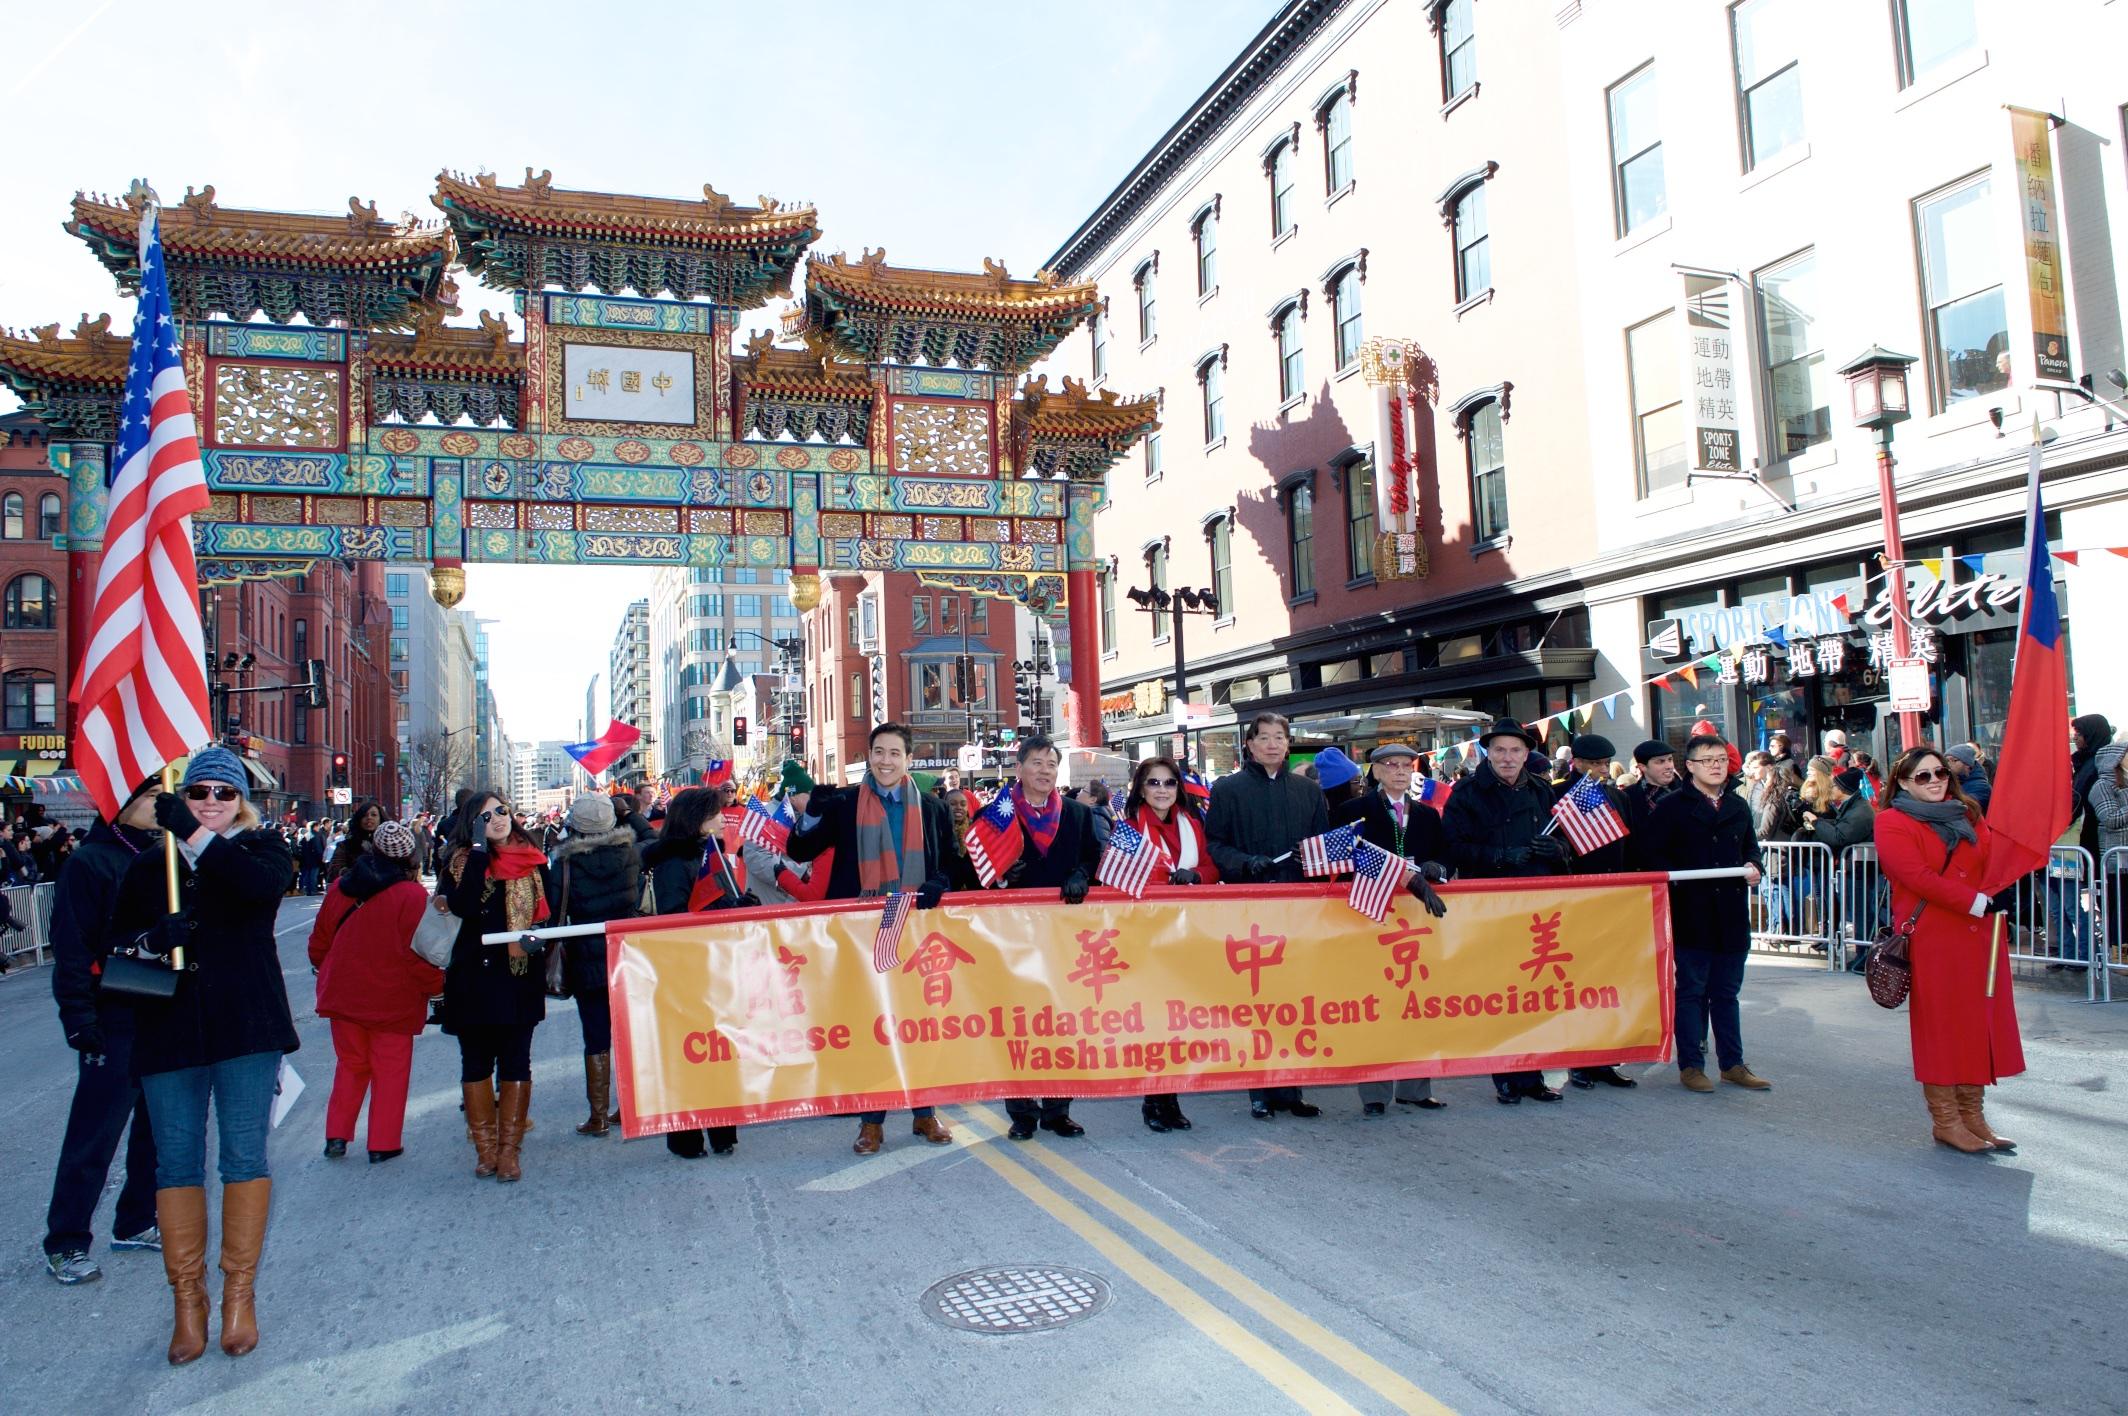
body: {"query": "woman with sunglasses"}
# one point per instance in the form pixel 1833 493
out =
pixel 1933 845
pixel 1158 809
pixel 494 994
pixel 220 1037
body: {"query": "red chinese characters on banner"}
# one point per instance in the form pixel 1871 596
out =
pixel 1403 944
pixel 1254 954
pixel 1098 964
pixel 1545 950
pixel 771 984
pixel 933 962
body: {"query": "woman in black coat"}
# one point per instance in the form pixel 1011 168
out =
pixel 693 820
pixel 220 1036
pixel 597 876
pixel 494 994
pixel 362 824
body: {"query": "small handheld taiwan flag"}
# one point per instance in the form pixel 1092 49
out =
pixel 886 940
pixel 1586 819
pixel 760 827
pixel 1329 853
pixel 1128 862
pixel 1377 876
pixel 994 840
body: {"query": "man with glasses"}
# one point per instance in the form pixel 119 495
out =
pixel 1708 827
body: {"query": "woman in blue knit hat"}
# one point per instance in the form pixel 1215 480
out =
pixel 220 1036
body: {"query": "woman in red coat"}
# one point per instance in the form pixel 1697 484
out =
pixel 1933 845
pixel 1159 809
pixel 374 988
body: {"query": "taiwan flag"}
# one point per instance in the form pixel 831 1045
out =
pixel 717 773
pixel 2030 818
pixel 606 749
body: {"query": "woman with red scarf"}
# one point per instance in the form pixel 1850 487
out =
pixel 494 994
pixel 1158 809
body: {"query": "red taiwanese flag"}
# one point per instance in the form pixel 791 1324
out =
pixel 604 750
pixel 718 772
pixel 2031 807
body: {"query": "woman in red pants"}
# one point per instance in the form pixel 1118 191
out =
pixel 374 988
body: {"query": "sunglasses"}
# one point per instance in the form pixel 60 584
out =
pixel 1169 782
pixel 201 793
pixel 1929 774
pixel 489 815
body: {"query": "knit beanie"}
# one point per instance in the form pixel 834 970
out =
pixel 218 764
pixel 393 840
pixel 591 815
pixel 1334 769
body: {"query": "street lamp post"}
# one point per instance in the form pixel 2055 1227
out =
pixel 1181 601
pixel 1878 386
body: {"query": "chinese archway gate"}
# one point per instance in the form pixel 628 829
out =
pixel 341 415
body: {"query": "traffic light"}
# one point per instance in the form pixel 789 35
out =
pixel 314 684
pixel 798 740
pixel 738 732
pixel 339 769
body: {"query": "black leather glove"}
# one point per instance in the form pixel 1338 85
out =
pixel 1434 873
pixel 1014 873
pixel 744 900
pixel 2003 901
pixel 1257 867
pixel 88 1041
pixel 929 894
pixel 1184 877
pixel 174 816
pixel 1075 887
pixel 169 933
pixel 1515 856
pixel 1549 849
pixel 1435 906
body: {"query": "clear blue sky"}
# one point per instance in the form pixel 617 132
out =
pixel 946 132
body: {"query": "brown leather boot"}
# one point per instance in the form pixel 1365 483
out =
pixel 1950 1128
pixel 932 1130
pixel 598 1090
pixel 244 1207
pixel 510 1107
pixel 181 1215
pixel 1969 1104
pixel 870 1137
pixel 480 1125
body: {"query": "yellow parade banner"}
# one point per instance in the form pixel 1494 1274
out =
pixel 763 1014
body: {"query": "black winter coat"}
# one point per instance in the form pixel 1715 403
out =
pixel 81 916
pixel 1074 850
pixel 1253 813
pixel 231 1000
pixel 1690 832
pixel 479 990
pixel 1424 838
pixel 1490 825
pixel 1642 797
pixel 836 830
pixel 603 877
pixel 672 865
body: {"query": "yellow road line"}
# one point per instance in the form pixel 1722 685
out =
pixel 1266 1361
pixel 1386 1383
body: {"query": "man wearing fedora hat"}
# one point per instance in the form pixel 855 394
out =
pixel 1496 825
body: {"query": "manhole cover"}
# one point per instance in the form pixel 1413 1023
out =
pixel 1027 1299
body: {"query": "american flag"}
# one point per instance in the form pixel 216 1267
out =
pixel 994 839
pixel 1128 862
pixel 886 940
pixel 142 688
pixel 760 826
pixel 1585 817
pixel 1329 853
pixel 1377 876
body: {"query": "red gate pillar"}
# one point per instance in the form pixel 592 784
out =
pixel 1083 707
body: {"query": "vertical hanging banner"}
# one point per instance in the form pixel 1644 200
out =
pixel 784 1011
pixel 2029 134
pixel 1710 351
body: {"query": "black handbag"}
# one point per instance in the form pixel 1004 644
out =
pixel 138 975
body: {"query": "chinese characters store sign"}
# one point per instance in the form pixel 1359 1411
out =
pixel 1710 368
pixel 2042 237
pixel 616 384
pixel 773 1013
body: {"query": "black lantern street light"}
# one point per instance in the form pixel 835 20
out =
pixel 1878 385
pixel 1157 600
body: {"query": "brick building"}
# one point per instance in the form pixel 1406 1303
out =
pixel 33 642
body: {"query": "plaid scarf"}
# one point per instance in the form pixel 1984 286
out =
pixel 1041 825
pixel 878 872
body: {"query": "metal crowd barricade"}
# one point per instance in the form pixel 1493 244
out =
pixel 2054 919
pixel 2112 895
pixel 31 907
pixel 1795 899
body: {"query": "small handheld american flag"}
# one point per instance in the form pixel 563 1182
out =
pixel 1586 819
pixel 994 840
pixel 1377 876
pixel 1329 853
pixel 760 826
pixel 886 941
pixel 1128 862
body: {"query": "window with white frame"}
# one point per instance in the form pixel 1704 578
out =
pixel 1156 572
pixel 1798 402
pixel 1968 332
pixel 1282 188
pixel 1652 359
pixel 1211 388
pixel 1336 120
pixel 1345 314
pixel 1219 542
pixel 1204 235
pixel 1932 32
pixel 1300 539
pixel 1144 282
pixel 1473 238
pixel 51 516
pixel 1152 455
pixel 1107 582
pixel 1636 151
pixel 1292 376
pixel 1099 331
pixel 1459 49
pixel 1485 450
pixel 1359 517
pixel 1769 76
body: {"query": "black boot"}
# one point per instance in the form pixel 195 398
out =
pixel 1171 1112
pixel 1150 1110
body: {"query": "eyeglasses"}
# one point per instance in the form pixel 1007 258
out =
pixel 1929 774
pixel 1168 782
pixel 203 791
pixel 1706 761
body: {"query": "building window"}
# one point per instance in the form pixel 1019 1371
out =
pixel 1148 302
pixel 1292 378
pixel 1211 385
pixel 744 575
pixel 1931 31
pixel 920 614
pixel 398 649
pixel 1359 517
pixel 1474 261
pixel 1152 455
pixel 302 642
pixel 1282 188
pixel 746 606
pixel 1636 152
pixel 1336 120
pixel 1345 312
pixel 28 603
pixel 1100 338
pixel 32 702
pixel 1769 77
pixel 399 613
pixel 395 582
pixel 1300 539
pixel 979 616
pixel 1156 574
pixel 11 516
pixel 1107 583
pixel 949 615
pixel 1205 233
pixel 1968 334
pixel 1658 402
pixel 855 703
pixel 1459 50
pixel 300 728
pixel 1797 399
pixel 1485 449
pixel 51 518
pixel 1219 537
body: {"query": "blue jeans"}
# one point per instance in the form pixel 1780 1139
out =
pixel 1707 985
pixel 242 1088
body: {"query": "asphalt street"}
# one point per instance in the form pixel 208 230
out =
pixel 1801 1251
